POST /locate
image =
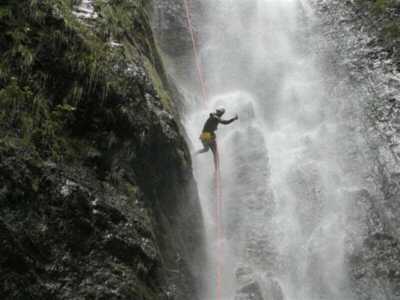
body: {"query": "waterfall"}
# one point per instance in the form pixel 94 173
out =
pixel 285 192
pixel 291 174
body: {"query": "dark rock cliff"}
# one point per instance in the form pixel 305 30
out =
pixel 96 190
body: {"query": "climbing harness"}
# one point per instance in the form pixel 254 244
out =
pixel 208 136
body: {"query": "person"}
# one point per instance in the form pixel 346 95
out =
pixel 208 137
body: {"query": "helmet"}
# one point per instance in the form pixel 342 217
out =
pixel 220 111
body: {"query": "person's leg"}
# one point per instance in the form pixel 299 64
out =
pixel 206 147
pixel 213 146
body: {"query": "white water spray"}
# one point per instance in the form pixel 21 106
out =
pixel 290 168
pixel 285 194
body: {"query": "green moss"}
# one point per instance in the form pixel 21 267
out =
pixel 67 72
pixel 5 11
pixel 382 15
pixel 382 5
pixel 392 30
pixel 158 85
pixel 27 116
pixel 116 17
pixel 376 6
pixel 131 190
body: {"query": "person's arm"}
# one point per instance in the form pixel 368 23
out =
pixel 226 122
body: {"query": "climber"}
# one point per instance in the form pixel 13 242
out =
pixel 208 137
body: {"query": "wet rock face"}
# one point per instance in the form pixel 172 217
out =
pixel 375 259
pixel 64 239
pixel 363 36
pixel 97 198
pixel 251 291
pixel 251 195
pixel 171 25
pixel 250 287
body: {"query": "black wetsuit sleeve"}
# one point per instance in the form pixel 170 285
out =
pixel 225 122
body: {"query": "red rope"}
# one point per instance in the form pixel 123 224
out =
pixel 216 157
pixel 195 52
pixel 219 224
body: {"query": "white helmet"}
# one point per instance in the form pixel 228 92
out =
pixel 220 111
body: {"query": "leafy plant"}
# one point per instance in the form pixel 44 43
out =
pixel 5 11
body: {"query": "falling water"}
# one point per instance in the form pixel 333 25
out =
pixel 285 190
